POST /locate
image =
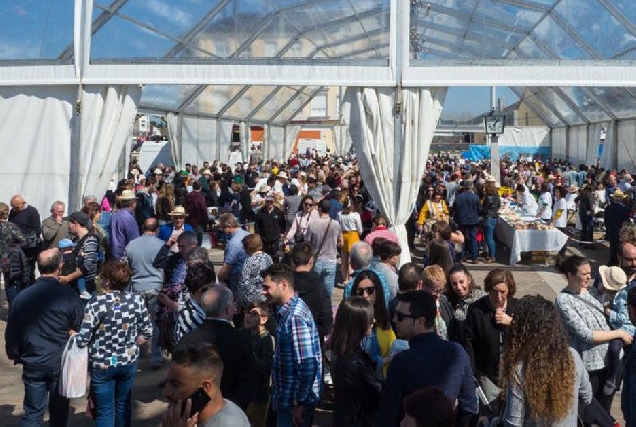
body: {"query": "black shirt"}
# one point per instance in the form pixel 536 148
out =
pixel 270 225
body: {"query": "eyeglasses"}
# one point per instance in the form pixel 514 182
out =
pixel 362 291
pixel 399 316
pixel 255 313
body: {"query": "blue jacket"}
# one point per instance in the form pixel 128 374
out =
pixel 36 338
pixel 430 361
pixel 467 208
pixel 165 231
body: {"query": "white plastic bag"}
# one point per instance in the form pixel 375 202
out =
pixel 74 371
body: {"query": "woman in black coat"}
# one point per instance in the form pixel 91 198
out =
pixel 357 389
pixel 487 320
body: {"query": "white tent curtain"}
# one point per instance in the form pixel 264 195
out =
pixel 175 123
pixel 35 130
pixel 197 140
pixel 577 144
pixel 107 117
pixel 609 147
pixel 275 147
pixel 392 169
pixel 342 139
pixel 291 133
pixel 558 141
pixel 225 139
pixel 626 145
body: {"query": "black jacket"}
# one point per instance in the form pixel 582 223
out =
pixel 357 390
pixel 168 261
pixel 615 215
pixel 310 289
pixel 270 225
pixel 236 353
pixel 39 321
pixel 484 338
pixel 491 205
pixel 467 208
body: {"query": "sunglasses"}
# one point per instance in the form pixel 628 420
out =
pixel 309 205
pixel 399 316
pixel 362 291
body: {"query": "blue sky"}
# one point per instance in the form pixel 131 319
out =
pixel 472 100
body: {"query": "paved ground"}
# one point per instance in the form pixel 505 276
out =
pixel 149 404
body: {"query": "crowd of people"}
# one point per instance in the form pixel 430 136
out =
pixel 254 340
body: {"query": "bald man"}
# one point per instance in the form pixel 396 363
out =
pixel 234 346
pixel 36 342
pixel 27 218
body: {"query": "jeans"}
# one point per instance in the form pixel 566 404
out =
pixel 327 272
pixel 488 226
pixel 12 292
pixel 587 227
pixel 112 390
pixel 283 417
pixel 38 385
pixel 198 230
pixel 470 242
pixel 150 297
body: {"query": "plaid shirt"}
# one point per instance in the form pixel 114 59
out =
pixel 297 368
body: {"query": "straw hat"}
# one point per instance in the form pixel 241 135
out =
pixel 614 278
pixel 264 189
pixel 206 172
pixel 282 174
pixel 491 179
pixel 178 211
pixel 618 194
pixel 573 188
pixel 127 195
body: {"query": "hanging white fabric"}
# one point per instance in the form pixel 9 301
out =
pixel 174 122
pixel 225 139
pixel 107 117
pixel 342 139
pixel 35 127
pixel 391 169
pixel 291 133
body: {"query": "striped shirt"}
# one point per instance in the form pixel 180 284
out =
pixel 297 367
pixel 189 318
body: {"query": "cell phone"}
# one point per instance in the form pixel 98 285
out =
pixel 199 400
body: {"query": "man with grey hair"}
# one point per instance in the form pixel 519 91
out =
pixel 360 259
pixel 55 227
pixel 147 280
pixel 234 346
pixel 234 255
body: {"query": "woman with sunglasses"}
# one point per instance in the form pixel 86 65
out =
pixel 298 230
pixel 356 386
pixel 367 285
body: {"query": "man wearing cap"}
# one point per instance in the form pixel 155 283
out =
pixel 55 227
pixel 270 224
pixel 123 227
pixel 174 229
pixel 86 253
pixel 430 361
pixel 615 215
pixel 259 198
pixel 467 210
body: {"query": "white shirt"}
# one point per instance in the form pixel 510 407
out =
pixel 350 222
pixel 562 221
pixel 528 204
pixel 545 206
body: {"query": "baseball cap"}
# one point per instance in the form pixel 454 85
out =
pixel 65 243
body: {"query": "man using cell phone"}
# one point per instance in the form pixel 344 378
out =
pixel 193 388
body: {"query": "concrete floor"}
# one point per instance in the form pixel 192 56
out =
pixel 148 402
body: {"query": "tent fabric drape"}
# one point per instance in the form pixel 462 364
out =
pixel 225 139
pixel 342 139
pixel 174 122
pixel 197 140
pixel 107 117
pixel 392 169
pixel 291 133
pixel 276 142
pixel 35 127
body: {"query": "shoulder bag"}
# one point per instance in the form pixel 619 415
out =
pixel 323 239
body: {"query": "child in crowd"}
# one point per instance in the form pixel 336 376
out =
pixel 254 324
pixel 614 301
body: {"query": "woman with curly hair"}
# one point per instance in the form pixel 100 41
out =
pixel 542 377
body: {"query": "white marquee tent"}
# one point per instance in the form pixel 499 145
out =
pixel 74 73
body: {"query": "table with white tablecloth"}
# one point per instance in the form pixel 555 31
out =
pixel 528 240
